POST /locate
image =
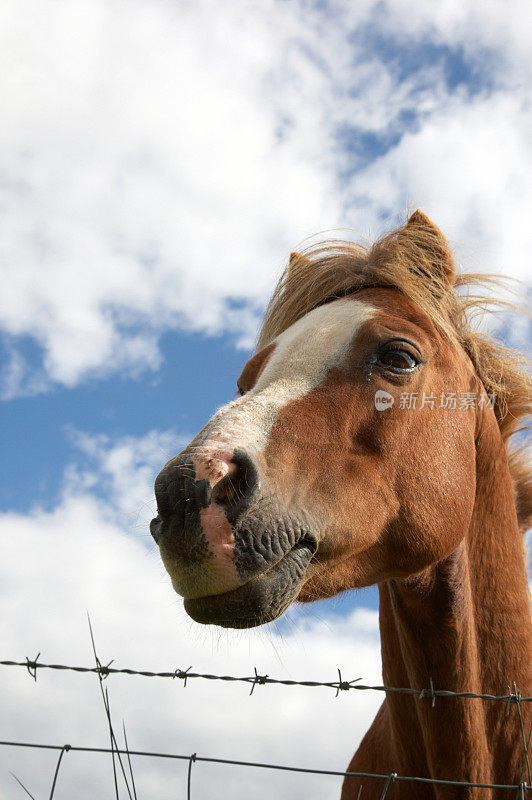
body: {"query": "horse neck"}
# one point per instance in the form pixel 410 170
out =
pixel 464 624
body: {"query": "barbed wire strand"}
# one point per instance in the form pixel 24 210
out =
pixel 512 697
pixel 522 787
pixel 103 671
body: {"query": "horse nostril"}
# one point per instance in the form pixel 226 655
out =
pixel 155 528
pixel 236 490
pixel 181 494
pixel 228 489
pixel 178 491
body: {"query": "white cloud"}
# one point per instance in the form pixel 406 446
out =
pixel 57 565
pixel 145 176
pixel 469 168
pixel 123 471
pixel 157 159
pixel 481 31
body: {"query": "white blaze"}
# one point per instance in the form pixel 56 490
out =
pixel 302 357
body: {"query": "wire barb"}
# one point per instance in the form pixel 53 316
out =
pixel 344 686
pixel 103 671
pixel 432 694
pixel 32 666
pixel 183 674
pixel 261 679
pixel 513 697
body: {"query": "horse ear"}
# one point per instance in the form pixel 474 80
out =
pixel 297 263
pixel 431 240
pixel 298 258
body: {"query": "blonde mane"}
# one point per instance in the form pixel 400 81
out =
pixel 416 260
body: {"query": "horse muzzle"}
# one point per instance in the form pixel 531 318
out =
pixel 235 556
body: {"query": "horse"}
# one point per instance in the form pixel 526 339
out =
pixel 370 443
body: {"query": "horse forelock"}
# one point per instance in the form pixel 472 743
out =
pixel 282 372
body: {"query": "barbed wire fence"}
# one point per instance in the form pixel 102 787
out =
pixel 121 756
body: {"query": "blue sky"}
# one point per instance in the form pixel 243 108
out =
pixel 197 375
pixel 158 162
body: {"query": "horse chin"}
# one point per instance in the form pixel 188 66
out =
pixel 261 599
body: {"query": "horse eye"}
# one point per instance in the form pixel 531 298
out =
pixel 398 360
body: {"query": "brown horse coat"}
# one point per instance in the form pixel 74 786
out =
pixel 369 446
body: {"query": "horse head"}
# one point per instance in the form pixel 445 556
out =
pixel 348 457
